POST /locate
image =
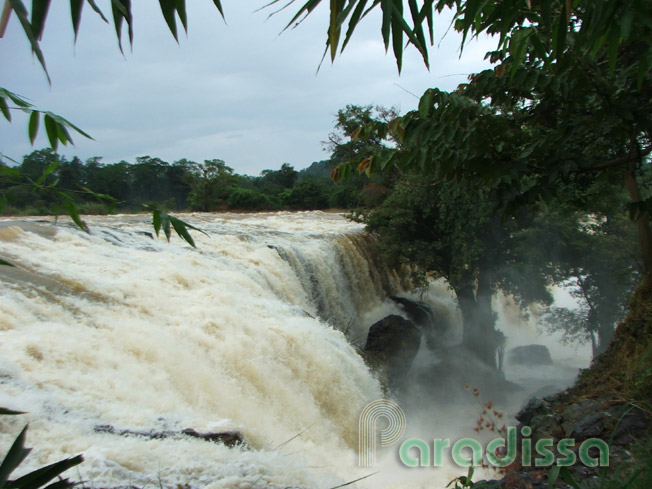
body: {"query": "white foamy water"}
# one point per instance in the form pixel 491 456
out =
pixel 116 328
pixel 243 333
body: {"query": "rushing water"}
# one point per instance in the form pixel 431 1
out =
pixel 252 331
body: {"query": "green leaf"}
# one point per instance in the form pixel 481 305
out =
pixel 168 9
pixel 218 4
pixel 334 26
pixel 15 98
pixel 397 32
pixel 183 16
pixel 73 212
pixel 21 13
pixel 7 264
pixel 156 220
pixel 353 21
pixel 51 167
pixel 568 478
pixel 553 475
pixel 39 14
pixel 518 48
pixel 4 108
pixel 33 125
pixel 51 129
pixel 5 411
pixel 14 457
pixel 42 476
pixel 425 102
pixel 97 10
pixel 121 10
pixel 64 122
pixel 165 224
pixel 76 7
pixel 386 6
pixel 180 228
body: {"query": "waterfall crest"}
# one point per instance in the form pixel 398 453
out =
pixel 243 333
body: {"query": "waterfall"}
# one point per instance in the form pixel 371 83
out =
pixel 244 333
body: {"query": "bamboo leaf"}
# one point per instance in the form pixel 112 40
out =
pixel 397 33
pixel 183 16
pixel 51 167
pixel 97 10
pixel 165 224
pixel 21 13
pixel 51 129
pixel 156 220
pixel 65 122
pixel 121 10
pixel 353 21
pixel 5 411
pixel 39 14
pixel 168 9
pixel 76 7
pixel 33 125
pixel 334 26
pixel 4 108
pixel 180 228
pixel 19 101
pixel 386 6
pixel 73 212
pixel 218 4
pixel 14 457
pixel 42 476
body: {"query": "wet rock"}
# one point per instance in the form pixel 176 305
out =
pixel 423 318
pixel 393 342
pixel 228 438
pixel 630 426
pixel 533 407
pixel 530 355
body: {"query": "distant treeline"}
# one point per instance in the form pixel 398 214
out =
pixel 178 186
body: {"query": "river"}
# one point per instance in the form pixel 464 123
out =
pixel 253 331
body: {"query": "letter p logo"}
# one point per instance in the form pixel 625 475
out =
pixel 383 408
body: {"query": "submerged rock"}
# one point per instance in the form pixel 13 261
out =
pixel 393 342
pixel 228 438
pixel 530 355
pixel 423 317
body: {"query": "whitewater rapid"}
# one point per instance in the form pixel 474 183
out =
pixel 253 331
pixel 118 328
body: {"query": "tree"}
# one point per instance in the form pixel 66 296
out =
pixel 211 186
pixel 449 231
pixel 570 95
pixel 275 181
pixel 594 254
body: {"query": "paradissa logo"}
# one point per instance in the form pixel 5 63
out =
pixel 466 452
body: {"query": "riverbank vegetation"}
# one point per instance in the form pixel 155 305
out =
pixel 101 188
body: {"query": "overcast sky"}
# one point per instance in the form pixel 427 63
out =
pixel 236 91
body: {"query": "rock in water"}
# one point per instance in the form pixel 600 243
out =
pixel 530 355
pixel 394 342
pixel 423 318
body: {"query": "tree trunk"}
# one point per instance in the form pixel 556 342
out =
pixel 480 334
pixel 605 335
pixel 643 222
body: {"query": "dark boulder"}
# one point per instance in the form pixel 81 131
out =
pixel 393 342
pixel 530 355
pixel 228 438
pixel 423 317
